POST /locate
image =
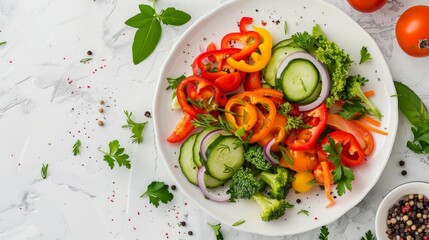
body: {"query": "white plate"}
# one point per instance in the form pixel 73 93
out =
pixel 300 15
pixel 392 198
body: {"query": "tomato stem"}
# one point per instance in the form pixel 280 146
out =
pixel 424 43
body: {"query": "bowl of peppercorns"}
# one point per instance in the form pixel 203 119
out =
pixel 404 213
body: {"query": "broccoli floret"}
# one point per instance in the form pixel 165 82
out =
pixel 244 184
pixel 271 209
pixel 278 182
pixel 255 155
pixel 353 89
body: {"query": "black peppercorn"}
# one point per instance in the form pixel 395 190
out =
pixel 173 187
pixel 404 172
pixel 89 53
pixel 401 163
pixel 190 233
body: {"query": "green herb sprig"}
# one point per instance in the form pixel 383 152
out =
pixel 148 24
pixel 44 170
pixel 3 43
pixel 158 191
pixel 324 233
pixel 116 154
pixel 216 229
pixel 364 55
pixel 76 147
pixel 368 236
pixel 343 176
pixel 416 112
pixel 136 128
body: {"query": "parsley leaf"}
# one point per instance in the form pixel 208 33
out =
pixel 44 170
pixel 136 128
pixel 324 233
pixel 342 175
pixel 216 229
pixel 368 236
pixel 149 27
pixel 158 191
pixel 76 148
pixel 116 154
pixel 364 55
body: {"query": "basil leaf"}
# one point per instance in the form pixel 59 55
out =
pixel 145 40
pixel 139 21
pixel 174 17
pixel 411 105
pixel 147 9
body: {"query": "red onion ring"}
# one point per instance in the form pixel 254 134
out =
pixel 210 195
pixel 324 75
pixel 205 142
pixel 268 155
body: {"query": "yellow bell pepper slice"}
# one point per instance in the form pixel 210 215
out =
pixel 257 60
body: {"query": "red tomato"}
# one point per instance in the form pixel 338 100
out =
pixel 412 31
pixel 367 6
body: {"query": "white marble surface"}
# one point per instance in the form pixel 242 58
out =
pixel 48 99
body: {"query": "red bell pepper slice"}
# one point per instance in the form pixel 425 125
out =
pixel 252 81
pixel 305 138
pixel 182 130
pixel 204 67
pixel 244 22
pixel 250 41
pixel 201 91
pixel 363 136
pixel 351 155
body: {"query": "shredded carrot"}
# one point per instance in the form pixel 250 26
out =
pixel 370 128
pixel 369 93
pixel 327 183
pixel 371 120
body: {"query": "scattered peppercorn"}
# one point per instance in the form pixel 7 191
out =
pixel 101 101
pixel 100 110
pixel 100 123
pixel 148 114
pixel 173 187
pixel 404 172
pixel 190 233
pixel 401 163
pixel 298 200
pixel 89 53
pixel 182 223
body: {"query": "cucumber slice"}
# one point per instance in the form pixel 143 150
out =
pixel 188 166
pixel 277 57
pixel 198 140
pixel 282 43
pixel 313 97
pixel 299 79
pixel 197 145
pixel 224 157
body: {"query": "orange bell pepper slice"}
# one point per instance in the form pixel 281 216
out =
pixel 240 114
